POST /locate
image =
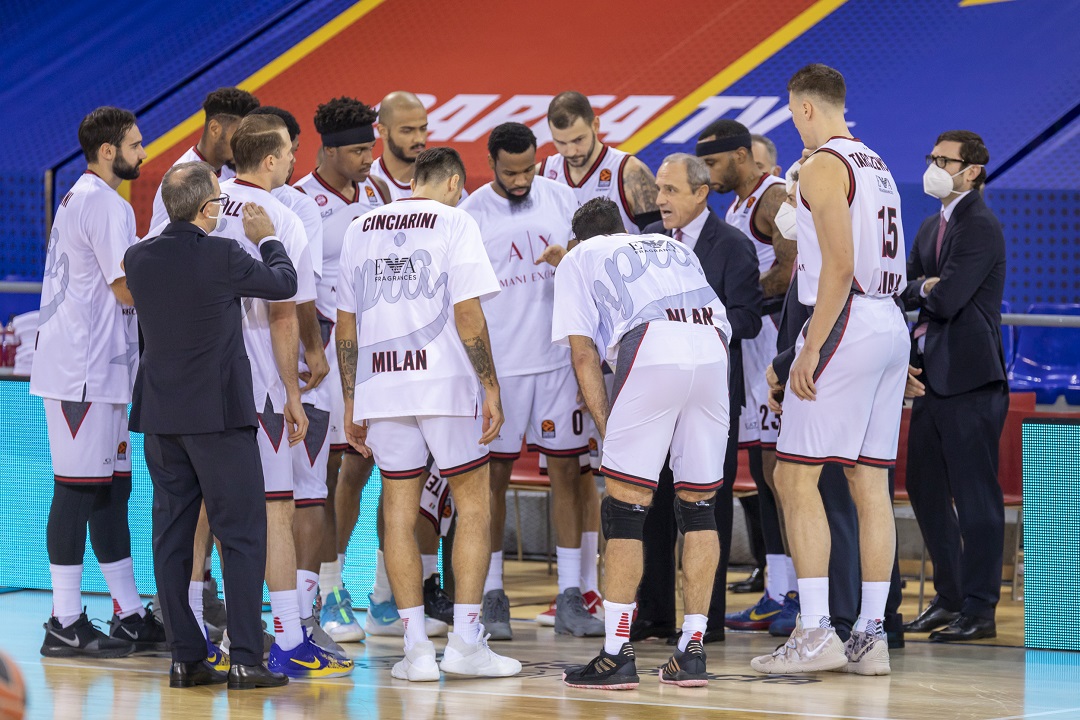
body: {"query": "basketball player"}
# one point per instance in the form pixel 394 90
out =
pixel 84 367
pixel 726 148
pixel 764 152
pixel 264 161
pixel 845 390
pixel 405 268
pixel 403 127
pixel 520 215
pixel 642 301
pixel 223 109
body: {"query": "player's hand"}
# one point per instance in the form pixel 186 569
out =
pixel 801 377
pixel 552 255
pixel 296 421
pixel 318 369
pixel 929 285
pixel 356 435
pixel 776 399
pixel 493 417
pixel 257 224
pixel 914 388
pixel 771 378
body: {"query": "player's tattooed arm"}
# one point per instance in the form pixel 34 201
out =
pixel 347 352
pixel 590 378
pixel 472 328
pixel 640 186
pixel 776 279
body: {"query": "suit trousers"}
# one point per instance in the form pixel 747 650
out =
pixel 224 470
pixel 952 480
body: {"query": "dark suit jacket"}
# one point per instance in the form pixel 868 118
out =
pixel 792 318
pixel 731 268
pixel 194 375
pixel 963 312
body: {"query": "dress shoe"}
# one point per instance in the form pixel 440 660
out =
pixel 248 677
pixel 710 636
pixel 933 617
pixel 190 674
pixel 753 584
pixel 645 629
pixel 966 627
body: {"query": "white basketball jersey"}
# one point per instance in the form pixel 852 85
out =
pixel 519 318
pixel 87 347
pixel 397 190
pixel 743 213
pixel 876 228
pixel 610 284
pixel 308 212
pixel 403 268
pixel 603 179
pixel 192 155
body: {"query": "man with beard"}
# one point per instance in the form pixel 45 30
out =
pixel 83 370
pixel 520 216
pixel 403 127
pixel 224 109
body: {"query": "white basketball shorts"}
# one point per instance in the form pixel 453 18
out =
pixel 402 446
pixel 309 459
pixel 542 410
pixel 758 424
pixel 275 453
pixel 89 441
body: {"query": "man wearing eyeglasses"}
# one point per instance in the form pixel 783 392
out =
pixel 193 399
pixel 958 268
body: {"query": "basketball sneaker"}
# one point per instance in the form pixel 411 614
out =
pixel 216 657
pixel 214 614
pixel 314 632
pixel 807 650
pixel 784 623
pixel 686 668
pixel 437 604
pixel 476 659
pixel 308 660
pixel 867 652
pixel 573 618
pixel 547 618
pixel 143 631
pixel 82 638
pixel 594 603
pixel 758 617
pixel 418 665
pixel 338 619
pixel 383 621
pixel 605 672
pixel 495 615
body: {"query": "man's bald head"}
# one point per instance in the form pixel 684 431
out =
pixel 397 102
pixel 403 126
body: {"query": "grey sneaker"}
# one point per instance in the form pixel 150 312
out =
pixel 214 610
pixel 496 615
pixel 813 650
pixel 867 653
pixel 573 618
pixel 321 638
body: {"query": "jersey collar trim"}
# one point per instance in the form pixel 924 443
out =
pixel 356 188
pixel 585 178
pixel 391 178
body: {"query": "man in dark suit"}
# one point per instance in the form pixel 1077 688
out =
pixel 731 268
pixel 957 271
pixel 193 400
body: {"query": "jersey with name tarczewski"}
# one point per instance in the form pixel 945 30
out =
pixel 87 342
pixel 515 234
pixel 610 284
pixel 265 379
pixel 742 214
pixel 403 268
pixel 876 228
pixel 603 179
pixel 192 155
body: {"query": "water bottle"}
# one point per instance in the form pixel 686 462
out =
pixel 8 344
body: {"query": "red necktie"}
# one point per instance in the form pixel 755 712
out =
pixel 940 236
pixel 678 235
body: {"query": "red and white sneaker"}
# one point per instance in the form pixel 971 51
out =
pixel 547 618
pixel 593 603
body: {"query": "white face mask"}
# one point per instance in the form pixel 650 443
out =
pixel 937 182
pixel 785 221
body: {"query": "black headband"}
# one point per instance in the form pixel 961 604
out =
pixel 719 145
pixel 352 136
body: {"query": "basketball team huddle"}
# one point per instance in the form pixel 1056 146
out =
pixel 562 308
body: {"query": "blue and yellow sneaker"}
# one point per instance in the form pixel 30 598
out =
pixel 338 619
pixel 216 657
pixel 758 617
pixel 308 660
pixel 784 624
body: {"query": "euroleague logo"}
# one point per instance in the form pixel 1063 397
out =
pixel 371 195
pixel 605 179
pixel 547 428
pixel 121 451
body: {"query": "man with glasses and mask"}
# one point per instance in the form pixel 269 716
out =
pixel 958 268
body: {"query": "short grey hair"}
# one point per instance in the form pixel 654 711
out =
pixel 185 188
pixel 770 147
pixel 697 172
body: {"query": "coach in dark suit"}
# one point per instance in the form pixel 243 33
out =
pixel 957 272
pixel 731 268
pixel 193 400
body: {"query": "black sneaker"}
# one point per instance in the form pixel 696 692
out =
pixel 605 672
pixel 437 604
pixel 81 639
pixel 145 632
pixel 686 668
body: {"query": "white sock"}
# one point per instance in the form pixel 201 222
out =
pixel 467 622
pixel 381 592
pixel 195 601
pixel 617 619
pixel 430 564
pixel 792 578
pixel 872 607
pixel 693 628
pixel 120 577
pixel 341 559
pixel 494 579
pixel 286 610
pixel 776 577
pixel 413 620
pixel 307 587
pixel 814 602
pixel 329 578
pixel 590 547
pixel 569 566
pixel 66 592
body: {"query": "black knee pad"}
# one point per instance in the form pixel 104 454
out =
pixel 622 521
pixel 695 516
pixel 69 513
pixel 110 534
